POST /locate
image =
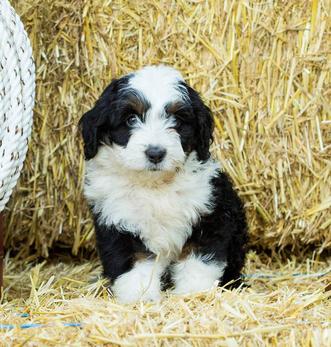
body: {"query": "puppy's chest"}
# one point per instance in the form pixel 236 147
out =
pixel 165 209
pixel 163 217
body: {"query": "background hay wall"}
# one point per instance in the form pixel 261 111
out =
pixel 262 66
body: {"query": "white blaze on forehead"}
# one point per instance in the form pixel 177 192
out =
pixel 158 84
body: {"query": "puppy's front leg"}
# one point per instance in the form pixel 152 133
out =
pixel 135 273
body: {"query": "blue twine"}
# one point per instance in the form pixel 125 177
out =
pixel 24 315
pixel 35 325
pixel 7 326
pixel 31 325
pixel 72 324
pixel 276 275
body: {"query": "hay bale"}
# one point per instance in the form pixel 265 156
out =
pixel 263 68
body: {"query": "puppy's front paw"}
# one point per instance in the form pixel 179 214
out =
pixel 196 274
pixel 140 283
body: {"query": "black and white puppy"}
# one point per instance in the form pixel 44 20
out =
pixel 165 215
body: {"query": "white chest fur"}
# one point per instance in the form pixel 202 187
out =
pixel 160 209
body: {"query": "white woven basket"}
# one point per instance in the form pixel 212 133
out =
pixel 17 91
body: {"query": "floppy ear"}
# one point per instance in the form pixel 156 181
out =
pixel 205 124
pixel 92 122
pixel 89 126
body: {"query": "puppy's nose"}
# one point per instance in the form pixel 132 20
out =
pixel 155 154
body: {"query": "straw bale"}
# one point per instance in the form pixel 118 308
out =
pixel 289 306
pixel 262 66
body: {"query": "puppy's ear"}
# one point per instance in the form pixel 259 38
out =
pixel 89 130
pixel 205 125
pixel 92 122
pixel 89 126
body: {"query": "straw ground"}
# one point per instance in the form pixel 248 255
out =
pixel 262 66
pixel 285 304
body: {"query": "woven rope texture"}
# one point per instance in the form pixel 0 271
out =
pixel 17 91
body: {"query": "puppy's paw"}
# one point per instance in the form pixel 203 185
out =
pixel 127 291
pixel 196 274
pixel 140 283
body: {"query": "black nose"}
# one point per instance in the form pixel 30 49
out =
pixel 155 154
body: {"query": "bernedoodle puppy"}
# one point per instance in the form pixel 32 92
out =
pixel 165 215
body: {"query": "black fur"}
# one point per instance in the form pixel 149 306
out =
pixel 117 250
pixel 203 124
pixel 224 232
pixel 106 121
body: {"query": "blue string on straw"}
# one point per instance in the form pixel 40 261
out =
pixel 35 325
pixel 279 275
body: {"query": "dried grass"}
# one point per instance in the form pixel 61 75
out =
pixel 262 66
pixel 281 308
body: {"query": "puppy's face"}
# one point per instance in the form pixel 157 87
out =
pixel 150 120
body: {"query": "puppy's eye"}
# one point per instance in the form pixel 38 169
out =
pixel 132 120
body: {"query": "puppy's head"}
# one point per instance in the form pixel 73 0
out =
pixel 150 120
